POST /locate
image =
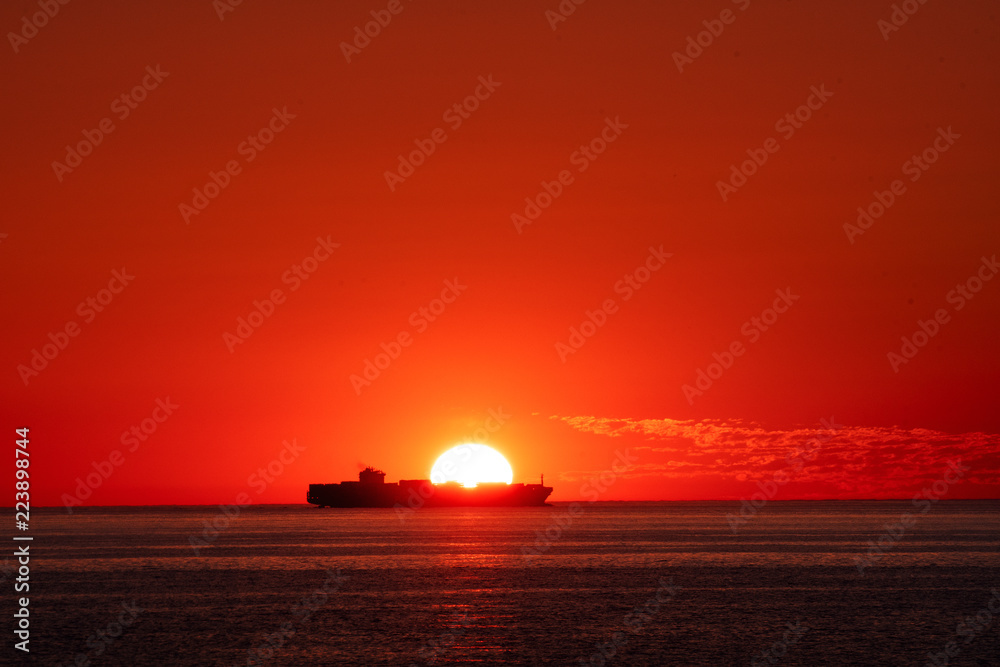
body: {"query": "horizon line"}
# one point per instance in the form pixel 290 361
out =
pixel 553 503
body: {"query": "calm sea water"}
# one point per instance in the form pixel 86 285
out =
pixel 621 583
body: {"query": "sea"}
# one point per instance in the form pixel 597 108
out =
pixel 603 583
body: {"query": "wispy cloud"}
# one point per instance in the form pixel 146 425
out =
pixel 853 461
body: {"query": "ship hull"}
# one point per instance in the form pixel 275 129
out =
pixel 421 493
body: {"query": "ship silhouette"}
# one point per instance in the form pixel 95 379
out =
pixel 371 490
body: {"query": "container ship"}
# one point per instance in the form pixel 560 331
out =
pixel 371 490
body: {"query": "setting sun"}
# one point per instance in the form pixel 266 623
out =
pixel 471 464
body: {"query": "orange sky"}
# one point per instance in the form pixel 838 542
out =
pixel 627 153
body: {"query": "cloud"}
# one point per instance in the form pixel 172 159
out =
pixel 847 461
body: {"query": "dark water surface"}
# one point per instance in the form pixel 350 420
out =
pixel 453 586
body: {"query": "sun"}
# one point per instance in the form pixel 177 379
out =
pixel 470 464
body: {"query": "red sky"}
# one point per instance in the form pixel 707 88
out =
pixel 877 101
